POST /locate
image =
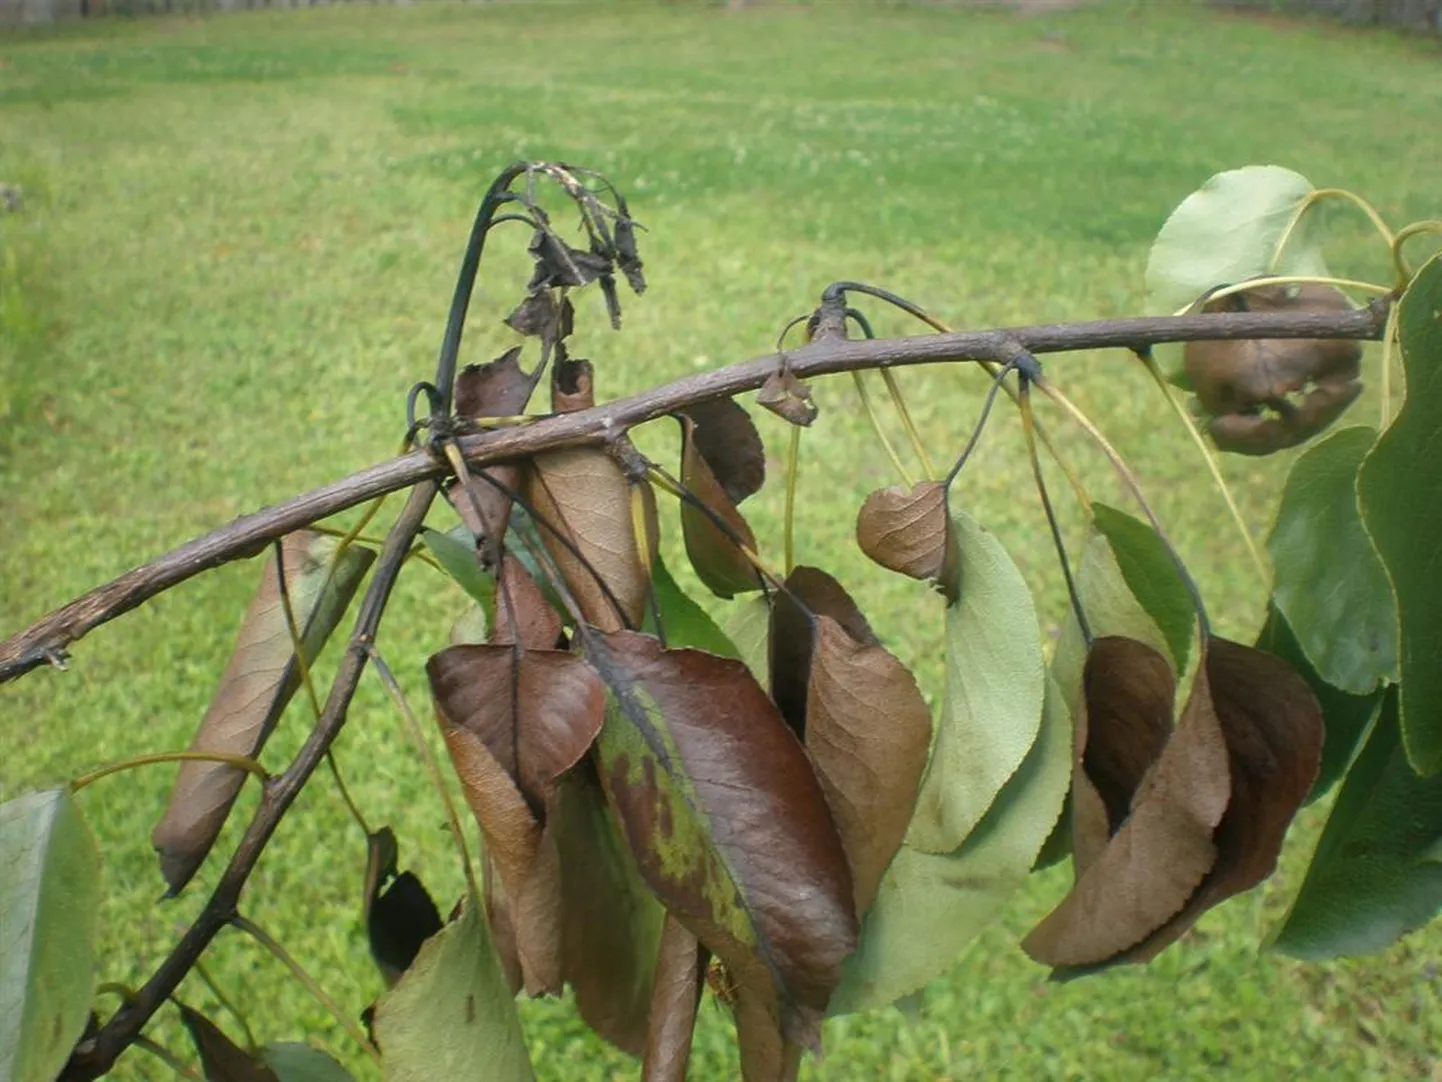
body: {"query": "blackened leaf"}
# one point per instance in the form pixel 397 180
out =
pixel 787 397
pixel 714 551
pixel 49 899
pixel 673 1005
pixel 610 920
pixel 499 388
pixel 684 621
pixel 293 1061
pixel 559 264
pixel 868 732
pixel 1401 495
pixel 258 682
pixel 452 1015
pixel 536 711
pixel 1374 876
pixel 1151 575
pixel 908 530
pixel 627 254
pixel 572 386
pixel 1344 716
pixel 220 1057
pixel 402 917
pixel 995 686
pixel 1330 583
pixel 582 495
pixel 535 316
pixel 931 905
pixel 1273 730
pixel 727 821
pixel 1155 862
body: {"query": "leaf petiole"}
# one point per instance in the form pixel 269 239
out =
pixel 244 762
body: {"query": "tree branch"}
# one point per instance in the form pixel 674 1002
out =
pixel 46 641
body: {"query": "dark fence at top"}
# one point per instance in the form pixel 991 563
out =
pixel 46 11
pixel 1422 16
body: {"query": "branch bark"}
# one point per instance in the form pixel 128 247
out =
pixel 47 640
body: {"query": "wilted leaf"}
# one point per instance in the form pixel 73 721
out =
pixel 1151 575
pixel 931 905
pixel 220 1057
pixel 1226 232
pixel 809 593
pixel 787 397
pixel 728 824
pixel 909 531
pixel 1264 395
pixel 582 494
pixel 722 462
pixel 673 1006
pixel 1344 716
pixel 995 685
pixel 523 615
pixel 572 386
pixel 257 684
pixel 1401 496
pixel 1155 862
pixel 399 912
pixel 610 921
pixel 499 388
pixel 684 622
pixel 1374 876
pixel 452 1015
pixel 293 1061
pixel 49 898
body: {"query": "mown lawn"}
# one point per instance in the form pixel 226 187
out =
pixel 237 246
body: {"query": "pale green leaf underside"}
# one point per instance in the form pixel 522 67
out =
pixel 49 891
pixel 995 684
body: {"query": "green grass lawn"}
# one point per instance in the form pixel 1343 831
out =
pixel 236 252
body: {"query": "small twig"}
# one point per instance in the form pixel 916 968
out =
pixel 169 1058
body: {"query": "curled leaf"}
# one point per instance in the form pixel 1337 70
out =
pixel 910 532
pixel 722 462
pixel 673 1005
pixel 220 1057
pixel 254 690
pixel 399 912
pixel 789 398
pixel 572 386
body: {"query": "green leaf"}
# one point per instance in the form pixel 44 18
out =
pixel 1400 486
pixel 1330 583
pixel 1346 716
pixel 1151 575
pixel 931 905
pixel 1373 877
pixel 452 1015
pixel 685 622
pixel 49 893
pixel 995 686
pixel 295 1061
pixel 456 553
pixel 1226 232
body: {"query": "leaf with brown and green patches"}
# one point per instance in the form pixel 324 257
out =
pixel 931 905
pixel 728 823
pixel 1273 730
pixel 995 687
pixel 1151 574
pixel 1374 876
pixel 258 683
pixel 809 593
pixel 399 912
pixel 583 497
pixel 676 996
pixel 452 1015
pixel 1151 866
pixel 1400 489
pixel 49 901
pixel 610 920
pixel 1344 716
pixel 909 531
pixel 222 1059
pixel 1330 582
pixel 722 462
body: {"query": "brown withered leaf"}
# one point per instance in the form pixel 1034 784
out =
pixel 582 494
pixel 726 819
pixel 677 994
pixel 522 613
pixel 572 386
pixel 499 388
pixel 253 692
pixel 868 732
pixel 485 508
pixel 1125 719
pixel 715 551
pixel 502 922
pixel 909 531
pixel 536 711
pixel 220 1057
pixel 1266 395
pixel 724 435
pixel 766 1054
pixel 1273 729
pixel 1153 864
pixel 787 397
pixel 809 592
pixel 610 921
